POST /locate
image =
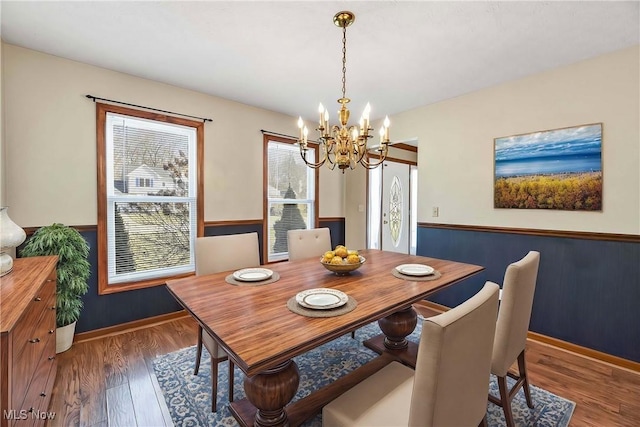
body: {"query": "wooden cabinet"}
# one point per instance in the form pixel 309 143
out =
pixel 27 341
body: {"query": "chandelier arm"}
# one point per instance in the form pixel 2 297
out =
pixel 370 165
pixel 362 147
pixel 310 164
pixel 382 156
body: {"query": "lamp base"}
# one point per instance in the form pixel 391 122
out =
pixel 6 264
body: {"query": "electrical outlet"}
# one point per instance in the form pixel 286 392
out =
pixel 434 211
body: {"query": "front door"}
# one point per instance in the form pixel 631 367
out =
pixel 395 207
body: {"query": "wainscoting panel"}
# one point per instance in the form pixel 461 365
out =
pixel 588 291
pixel 336 226
pixel 101 311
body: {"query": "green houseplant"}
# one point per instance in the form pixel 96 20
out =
pixel 73 271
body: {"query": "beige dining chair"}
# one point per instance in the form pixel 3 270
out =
pixel 511 331
pixel 213 255
pixel 308 243
pixel 449 384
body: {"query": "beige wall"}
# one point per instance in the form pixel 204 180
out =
pixel 2 156
pixel 455 137
pixel 50 161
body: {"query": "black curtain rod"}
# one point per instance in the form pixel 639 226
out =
pixel 268 132
pixel 94 98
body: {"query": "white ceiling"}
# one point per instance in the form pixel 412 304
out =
pixel 287 56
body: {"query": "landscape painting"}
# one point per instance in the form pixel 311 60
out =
pixel 554 169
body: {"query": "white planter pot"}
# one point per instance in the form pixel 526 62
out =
pixel 64 337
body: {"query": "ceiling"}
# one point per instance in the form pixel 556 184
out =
pixel 287 56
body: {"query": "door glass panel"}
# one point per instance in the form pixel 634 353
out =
pixel 395 210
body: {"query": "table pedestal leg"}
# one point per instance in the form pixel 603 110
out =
pixel 396 328
pixel 270 391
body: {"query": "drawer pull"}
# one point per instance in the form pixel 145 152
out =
pixel 43 394
pixel 38 299
pixel 53 307
pixel 51 331
pixel 51 357
pixel 50 280
pixel 34 340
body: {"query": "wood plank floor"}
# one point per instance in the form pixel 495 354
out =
pixel 110 382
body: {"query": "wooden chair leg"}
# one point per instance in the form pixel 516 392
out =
pixel 214 385
pixel 483 422
pixel 230 381
pixel 505 401
pixel 522 368
pixel 198 351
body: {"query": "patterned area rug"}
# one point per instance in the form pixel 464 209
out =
pixel 189 397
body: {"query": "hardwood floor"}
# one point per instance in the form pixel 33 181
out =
pixel 110 382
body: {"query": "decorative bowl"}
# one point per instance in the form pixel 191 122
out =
pixel 344 268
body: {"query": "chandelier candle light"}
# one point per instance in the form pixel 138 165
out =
pixel 344 145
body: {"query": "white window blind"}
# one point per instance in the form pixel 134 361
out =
pixel 290 196
pixel 151 198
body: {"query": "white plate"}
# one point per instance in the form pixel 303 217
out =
pixel 252 274
pixel 415 269
pixel 322 298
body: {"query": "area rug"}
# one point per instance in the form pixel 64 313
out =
pixel 188 396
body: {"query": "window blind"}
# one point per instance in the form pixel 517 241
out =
pixel 290 196
pixel 151 198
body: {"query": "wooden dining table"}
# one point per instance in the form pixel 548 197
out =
pixel 261 335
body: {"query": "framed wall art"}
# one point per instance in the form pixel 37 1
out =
pixel 553 169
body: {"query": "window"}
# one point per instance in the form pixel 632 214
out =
pixel 291 194
pixel 144 182
pixel 150 204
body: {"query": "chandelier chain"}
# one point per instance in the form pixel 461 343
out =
pixel 344 60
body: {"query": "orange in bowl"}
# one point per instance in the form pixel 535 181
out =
pixel 342 266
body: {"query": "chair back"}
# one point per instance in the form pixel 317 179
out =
pixel 453 363
pixel 515 312
pixel 308 243
pixel 220 253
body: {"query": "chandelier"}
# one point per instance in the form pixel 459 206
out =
pixel 344 145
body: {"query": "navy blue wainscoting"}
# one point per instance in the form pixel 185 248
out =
pixel 336 227
pixel 588 291
pixel 101 311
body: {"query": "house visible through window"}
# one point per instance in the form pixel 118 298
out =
pixel 150 209
pixel 291 194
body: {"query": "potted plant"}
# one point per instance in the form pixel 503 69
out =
pixel 73 270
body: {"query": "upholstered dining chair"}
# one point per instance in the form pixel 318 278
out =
pixel 213 255
pixel 511 331
pixel 307 243
pixel 449 384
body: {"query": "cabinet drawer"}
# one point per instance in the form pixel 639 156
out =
pixel 24 330
pixel 45 395
pixel 38 395
pixel 41 343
